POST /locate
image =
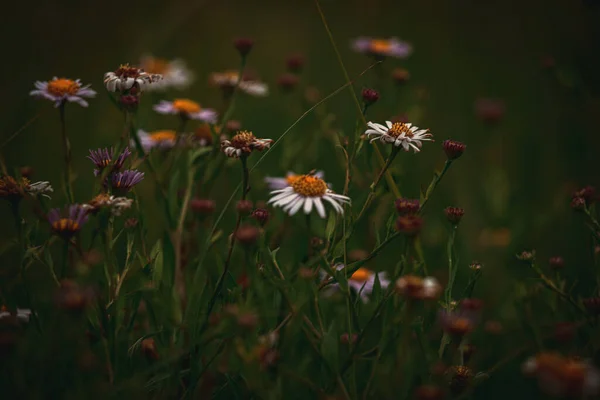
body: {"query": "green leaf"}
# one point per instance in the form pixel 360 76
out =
pixel 156 254
pixel 330 228
pixel 197 153
pixel 377 292
pixel 172 196
pixel 116 238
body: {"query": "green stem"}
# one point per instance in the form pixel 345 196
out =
pixel 436 180
pixel 65 259
pixel 231 106
pixel 67 151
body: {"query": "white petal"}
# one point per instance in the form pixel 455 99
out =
pixel 335 204
pixel 319 206
pixel 389 124
pixel 297 206
pixel 308 203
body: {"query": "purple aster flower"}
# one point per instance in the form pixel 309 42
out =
pixel 67 224
pixel 124 181
pixel 392 47
pixel 102 158
pixel 62 90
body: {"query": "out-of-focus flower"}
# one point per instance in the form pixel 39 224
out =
pixel 454 214
pixel 203 134
pixel 11 189
pixel 41 188
pixel 261 216
pixel 527 256
pixel 186 109
pixel 116 205
pixel 275 183
pixel 149 349
pixel 556 262
pixel 72 297
pixel 407 206
pixel 362 281
pixel 22 314
pixel 416 288
pixel 26 171
pixel 380 48
pixel 592 305
pixel 461 378
pixel 124 181
pixel 475 266
pixel 489 110
pixel 228 80
pixel 453 149
pixel 429 392
pixel 295 63
pixel 306 192
pixel 103 158
pixel 409 225
pixel 243 143
pixel 68 223
pixel 244 207
pixel 587 193
pixel 400 75
pixel 369 96
pixel 164 139
pixel 127 77
pixel 243 45
pixel 62 90
pixel 287 82
pixel 247 234
pixel 463 320
pixel 559 376
pixel 175 73
pixel 202 206
pixel 399 134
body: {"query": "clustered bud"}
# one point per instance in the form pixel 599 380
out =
pixel 261 216
pixel 454 214
pixel 461 377
pixel 369 96
pixel 578 203
pixel 453 149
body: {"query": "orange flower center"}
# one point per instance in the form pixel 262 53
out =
pixel 163 136
pixel 380 46
pixel 156 65
pixel 242 139
pixel 65 225
pixel 62 87
pixel 127 71
pixel 309 186
pixel 291 179
pixel 204 132
pixel 186 106
pixel 361 275
pixel 398 129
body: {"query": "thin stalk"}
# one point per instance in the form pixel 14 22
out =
pixel 67 151
pixel 387 164
pixel 436 180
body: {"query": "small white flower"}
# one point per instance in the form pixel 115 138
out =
pixel 165 139
pixel 188 109
pixel 362 281
pixel 229 79
pixel 23 314
pixel 40 188
pixel 275 183
pixel 127 77
pixel 399 134
pixel 417 288
pixel 305 192
pixel 116 204
pixel 243 143
pixel 62 90
pixel 175 73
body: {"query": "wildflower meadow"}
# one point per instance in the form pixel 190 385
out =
pixel 246 201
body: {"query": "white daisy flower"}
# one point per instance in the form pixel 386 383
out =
pixel 175 73
pixel 127 77
pixel 23 314
pixel 399 134
pixel 228 80
pixel 305 192
pixel 243 143
pixel 164 139
pixel 40 188
pixel 276 183
pixel 188 109
pixel 116 204
pixel 362 281
pixel 61 90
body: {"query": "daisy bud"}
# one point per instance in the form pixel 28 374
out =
pixel 287 82
pixel 429 392
pixel 369 96
pixel 261 216
pixel 202 206
pixel 346 338
pixel 453 149
pixel 578 204
pixel 247 234
pixel 461 377
pixel 233 125
pixel 454 214
pixel 592 305
pixel 410 225
pixel 243 45
pixel 407 206
pixel 244 207
pixel 557 263
pixel 295 63
pixel 400 75
pixel 129 102
pixel 149 349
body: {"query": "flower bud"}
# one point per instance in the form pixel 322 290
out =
pixel 346 338
pixel 26 172
pixel 202 206
pixel 527 256
pixel 247 234
pixel 407 206
pixel 400 75
pixel 131 223
pixel 295 63
pixel 369 96
pixel 461 377
pixel 409 225
pixel 243 45
pixel 244 207
pixel 287 82
pixel 475 266
pixel 453 149
pixel 261 216
pixel 233 125
pixel 454 214
pixel 578 203
pixel 587 193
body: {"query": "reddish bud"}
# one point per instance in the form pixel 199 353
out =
pixel 233 125
pixel 527 256
pixel 346 338
pixel 131 223
pixel 556 263
pixel 202 206
pixel 471 304
pixel 243 45
pixel 247 234
pixel 588 193
pixel 369 96
pixel 261 216
pixel 295 63
pixel 410 225
pixel 287 82
pixel 407 206
pixel 244 207
pixel 454 214
pixel 490 110
pixel 578 203
pixel 400 75
pixel 453 149
pixel 461 379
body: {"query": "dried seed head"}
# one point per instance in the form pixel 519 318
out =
pixel 454 214
pixel 453 149
pixel 407 206
pixel 476 266
pixel 243 45
pixel 369 96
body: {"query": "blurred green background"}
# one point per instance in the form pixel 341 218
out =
pixel 539 58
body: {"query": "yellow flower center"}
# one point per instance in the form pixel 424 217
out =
pixel 242 139
pixel 186 106
pixel 156 65
pixel 310 186
pixel 65 224
pixel 291 179
pixel 380 46
pixel 99 200
pixel 127 71
pixel 163 136
pixel 361 275
pixel 398 129
pixel 62 87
